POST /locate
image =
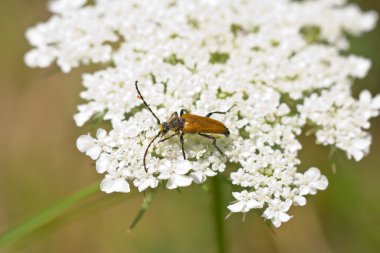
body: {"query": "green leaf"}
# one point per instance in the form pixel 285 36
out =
pixel 174 60
pixel 236 29
pixel 219 57
pixel 311 33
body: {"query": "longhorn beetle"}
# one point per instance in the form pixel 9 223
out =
pixel 186 123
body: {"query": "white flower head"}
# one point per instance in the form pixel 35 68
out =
pixel 276 211
pixel 311 181
pixel 262 58
pixel 92 147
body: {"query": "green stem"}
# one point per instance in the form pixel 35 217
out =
pixel 144 207
pixel 29 225
pixel 217 213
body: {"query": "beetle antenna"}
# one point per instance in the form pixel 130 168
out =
pixel 146 150
pixel 138 91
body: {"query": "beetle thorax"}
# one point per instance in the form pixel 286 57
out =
pixel 175 124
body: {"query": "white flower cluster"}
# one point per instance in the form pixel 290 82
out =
pixel 277 61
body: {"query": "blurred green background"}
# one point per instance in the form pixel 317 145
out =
pixel 39 164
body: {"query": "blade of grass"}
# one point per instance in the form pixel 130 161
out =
pixel 27 226
pixel 83 210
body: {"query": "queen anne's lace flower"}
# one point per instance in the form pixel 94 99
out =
pixel 278 61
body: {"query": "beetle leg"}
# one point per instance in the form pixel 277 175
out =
pixel 183 146
pixel 211 113
pixel 182 111
pixel 213 142
pixel 208 115
pixel 167 138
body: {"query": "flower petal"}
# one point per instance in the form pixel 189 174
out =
pixel 94 152
pixel 237 207
pixel 322 183
pixel 181 180
pixel 102 163
pixel 253 204
pixel 85 142
pixel 312 173
pixel 101 133
pixel 198 177
pixel 110 184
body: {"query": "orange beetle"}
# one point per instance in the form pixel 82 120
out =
pixel 187 123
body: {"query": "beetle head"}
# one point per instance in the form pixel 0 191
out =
pixel 164 128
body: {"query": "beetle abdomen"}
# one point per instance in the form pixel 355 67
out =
pixel 199 124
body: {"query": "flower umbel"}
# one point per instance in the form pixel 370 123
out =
pixel 277 61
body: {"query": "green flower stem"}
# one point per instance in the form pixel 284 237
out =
pixel 217 213
pixel 145 205
pixel 29 225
